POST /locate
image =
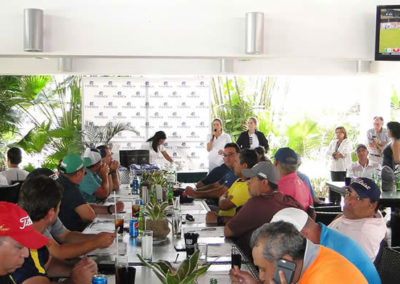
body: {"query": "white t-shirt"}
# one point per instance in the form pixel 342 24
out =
pixel 155 158
pixel 3 180
pixel 15 174
pixel 357 170
pixel 253 139
pixel 215 159
pixel 367 232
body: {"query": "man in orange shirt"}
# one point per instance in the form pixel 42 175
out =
pixel 273 242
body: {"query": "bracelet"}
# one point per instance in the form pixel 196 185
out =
pixel 220 220
pixel 109 209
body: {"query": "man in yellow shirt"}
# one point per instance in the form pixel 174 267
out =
pixel 238 193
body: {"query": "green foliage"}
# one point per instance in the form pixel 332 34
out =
pixel 102 135
pixel 187 273
pixel 154 177
pixel 156 211
pixel 303 136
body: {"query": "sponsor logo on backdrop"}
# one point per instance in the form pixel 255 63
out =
pixel 148 125
pixel 91 85
pixel 119 116
pixel 129 144
pixel 202 84
pixel 101 115
pixel 183 85
pixel 174 94
pixel 147 85
pixel 183 146
pixel 138 114
pixel 175 135
pixel 110 105
pixel 193 115
pixel 174 115
pixel 165 105
pixel 100 94
pixel 193 156
pixel 147 105
pixel 91 105
pixel 175 154
pixel 193 134
pixel 201 125
pixel 193 94
pixel 128 105
pixel 156 95
pixel 119 95
pixel 165 85
pixel 138 94
pixel 202 166
pixel 202 105
pixel 128 84
pixel 110 85
pixel 183 125
pixel 201 145
pixel 166 125
pixel 183 105
pixel 156 115
pixel 121 135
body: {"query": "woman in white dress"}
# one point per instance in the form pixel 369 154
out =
pixel 216 144
pixel 156 148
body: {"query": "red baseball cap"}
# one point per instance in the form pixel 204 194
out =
pixel 16 223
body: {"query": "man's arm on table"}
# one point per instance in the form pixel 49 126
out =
pixel 103 209
pixel 225 203
pixel 212 193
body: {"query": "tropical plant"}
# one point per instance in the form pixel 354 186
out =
pixel 156 211
pixel 187 273
pixel 303 136
pixel 154 177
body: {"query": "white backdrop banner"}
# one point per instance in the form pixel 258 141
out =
pixel 179 107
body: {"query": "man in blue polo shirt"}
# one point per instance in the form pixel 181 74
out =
pixel 318 233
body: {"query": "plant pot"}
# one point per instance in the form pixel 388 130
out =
pixel 160 228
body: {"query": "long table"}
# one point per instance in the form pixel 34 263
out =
pixel 219 247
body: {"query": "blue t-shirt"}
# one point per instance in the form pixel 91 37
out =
pixel 33 265
pixel 90 183
pixel 350 250
pixel 216 174
pixel 228 179
pixel 306 180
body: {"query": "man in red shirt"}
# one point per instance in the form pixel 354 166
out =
pixel 287 162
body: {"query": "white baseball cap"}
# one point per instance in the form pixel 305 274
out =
pixel 294 216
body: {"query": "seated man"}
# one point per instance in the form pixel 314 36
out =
pixel 66 244
pixel 363 167
pixel 75 213
pixel 265 201
pixel 318 233
pixel 314 263
pixel 41 198
pixel 14 173
pixel 94 185
pixel 217 189
pixel 113 165
pixel 219 172
pixel 238 194
pixel 17 236
pixel 361 220
pixel 287 162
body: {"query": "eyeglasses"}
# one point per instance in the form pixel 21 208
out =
pixel 229 154
pixel 349 193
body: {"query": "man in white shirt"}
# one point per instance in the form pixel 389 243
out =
pixel 377 139
pixel 361 219
pixel 14 173
pixel 363 167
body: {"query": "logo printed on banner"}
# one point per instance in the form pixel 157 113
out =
pixel 100 95
pixel 165 105
pixel 101 115
pixel 165 85
pixel 110 105
pixel 202 166
pixel 175 135
pixel 193 115
pixel 174 154
pixel 119 116
pixel 110 85
pixel 174 115
pixel 201 125
pixel 128 105
pixel 194 156
pixel 193 95
pixel 183 125
pixel 165 125
pixel 138 115
pixel 138 94
pixel 91 85
pixel 183 146
pixel 156 115
pixel 200 145
pixel 156 95
pixel 128 84
pixel 174 95
pixel 202 105
pixel 193 134
pixel 119 95
pixel 91 105
pixel 183 84
pixel 202 84
pixel 183 105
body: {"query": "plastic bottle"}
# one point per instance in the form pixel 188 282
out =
pixel 141 220
pixel 170 194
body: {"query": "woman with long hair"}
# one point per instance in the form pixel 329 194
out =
pixel 216 144
pixel 391 152
pixel 157 149
pixel 252 138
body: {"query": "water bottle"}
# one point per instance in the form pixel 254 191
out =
pixel 141 220
pixel 135 184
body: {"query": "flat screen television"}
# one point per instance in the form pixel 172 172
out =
pixel 387 40
pixel 129 157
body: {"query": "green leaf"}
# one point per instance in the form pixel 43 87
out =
pixel 160 276
pixel 193 261
pixel 172 278
pixel 183 269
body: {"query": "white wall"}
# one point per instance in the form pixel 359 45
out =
pixel 311 30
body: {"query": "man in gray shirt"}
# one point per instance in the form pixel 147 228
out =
pixel 377 139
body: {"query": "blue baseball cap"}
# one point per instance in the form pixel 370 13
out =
pixel 366 188
pixel 287 156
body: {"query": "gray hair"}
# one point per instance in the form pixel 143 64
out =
pixel 279 238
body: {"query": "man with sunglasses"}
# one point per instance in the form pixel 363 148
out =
pixel 361 220
pixel 265 201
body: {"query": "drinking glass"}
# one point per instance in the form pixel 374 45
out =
pixel 119 223
pixel 203 251
pixel 177 224
pixel 177 202
pixel 147 245
pixel 123 273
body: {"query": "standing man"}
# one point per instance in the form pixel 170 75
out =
pixel 377 139
pixel 14 173
pixel 17 235
pixel 363 167
pixel 113 165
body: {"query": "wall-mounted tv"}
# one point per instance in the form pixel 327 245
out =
pixel 387 40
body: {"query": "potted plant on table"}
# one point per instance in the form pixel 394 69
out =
pixel 187 272
pixel 157 221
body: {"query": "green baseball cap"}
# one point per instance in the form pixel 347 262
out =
pixel 73 163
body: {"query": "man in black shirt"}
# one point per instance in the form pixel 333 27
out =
pixel 16 236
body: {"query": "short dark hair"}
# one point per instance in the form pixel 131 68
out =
pixel 378 117
pixel 249 157
pixel 260 150
pixel 394 128
pixel 232 145
pixel 280 238
pixel 38 195
pixel 14 154
pixel 273 186
pixel 102 149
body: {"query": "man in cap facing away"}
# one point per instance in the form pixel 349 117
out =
pixel 265 201
pixel 318 233
pixel 361 220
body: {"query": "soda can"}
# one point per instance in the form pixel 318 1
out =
pixel 135 186
pixel 99 279
pixel 134 228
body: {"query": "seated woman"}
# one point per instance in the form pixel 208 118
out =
pixel 156 148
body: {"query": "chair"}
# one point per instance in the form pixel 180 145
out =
pixel 326 217
pixel 388 265
pixel 10 193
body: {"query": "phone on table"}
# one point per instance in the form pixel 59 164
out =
pixel 288 268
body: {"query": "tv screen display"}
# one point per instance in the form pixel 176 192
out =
pixel 387 41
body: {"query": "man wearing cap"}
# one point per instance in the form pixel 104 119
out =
pixel 318 233
pixel 363 167
pixel 280 241
pixel 75 213
pixel 287 162
pixel 377 138
pixel 17 235
pixel 41 197
pixel 113 165
pixel 361 220
pixel 95 184
pixel 265 201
